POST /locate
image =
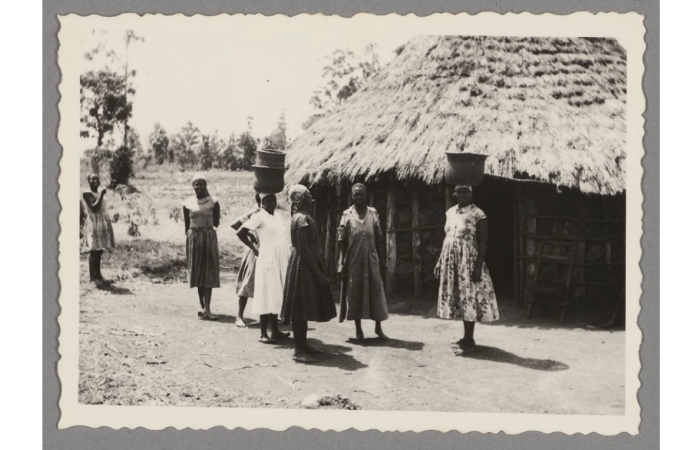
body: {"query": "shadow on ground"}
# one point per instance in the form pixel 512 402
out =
pixel 501 356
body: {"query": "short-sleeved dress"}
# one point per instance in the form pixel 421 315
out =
pixel 458 296
pixel 362 281
pixel 245 282
pixel 271 264
pixel 202 247
pixel 96 233
pixel 304 300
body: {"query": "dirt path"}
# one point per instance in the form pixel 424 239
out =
pixel 141 343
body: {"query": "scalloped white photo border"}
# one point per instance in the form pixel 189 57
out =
pixel 627 28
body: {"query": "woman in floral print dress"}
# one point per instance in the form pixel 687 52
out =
pixel 466 291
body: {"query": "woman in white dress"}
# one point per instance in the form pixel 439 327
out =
pixel 270 266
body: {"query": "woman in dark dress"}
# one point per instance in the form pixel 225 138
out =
pixel 307 291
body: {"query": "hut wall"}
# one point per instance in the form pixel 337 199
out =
pixel 596 225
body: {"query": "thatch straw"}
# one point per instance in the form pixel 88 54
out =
pixel 552 109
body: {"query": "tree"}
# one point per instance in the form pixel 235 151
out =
pixel 231 156
pixel 248 144
pixel 103 102
pixel 128 37
pixel 209 151
pixel 121 167
pixel 158 143
pixel 185 145
pixel 134 144
pixel 345 73
pixel 277 140
pixel 104 94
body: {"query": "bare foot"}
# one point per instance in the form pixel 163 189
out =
pixel 359 335
pixel 265 339
pixel 240 323
pixel 304 358
pixel 209 316
pixel 280 335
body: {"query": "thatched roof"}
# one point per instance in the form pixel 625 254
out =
pixel 552 109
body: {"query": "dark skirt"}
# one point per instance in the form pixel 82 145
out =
pixel 202 251
pixel 304 299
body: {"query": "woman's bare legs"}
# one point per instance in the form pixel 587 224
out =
pixel 467 343
pixel 242 302
pixel 274 326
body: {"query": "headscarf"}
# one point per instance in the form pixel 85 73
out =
pixel 297 194
pixel 200 177
pixel 463 186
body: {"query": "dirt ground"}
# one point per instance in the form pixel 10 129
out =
pixel 141 343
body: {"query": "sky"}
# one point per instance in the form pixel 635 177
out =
pixel 220 74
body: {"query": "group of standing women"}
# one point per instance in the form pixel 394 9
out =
pixel 282 270
pixel 284 277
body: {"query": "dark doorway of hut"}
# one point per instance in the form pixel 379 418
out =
pixel 495 197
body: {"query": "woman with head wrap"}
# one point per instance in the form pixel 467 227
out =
pixel 202 214
pixel 359 234
pixel 245 282
pixel 270 266
pixel 466 291
pixel 97 234
pixel 307 292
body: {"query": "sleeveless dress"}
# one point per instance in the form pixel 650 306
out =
pixel 459 297
pixel 202 246
pixel 97 233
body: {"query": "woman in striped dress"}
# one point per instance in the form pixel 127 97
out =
pixel 202 214
pixel 245 282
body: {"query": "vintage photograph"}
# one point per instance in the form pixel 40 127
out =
pixel 370 215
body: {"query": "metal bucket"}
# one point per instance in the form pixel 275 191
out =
pixel 464 168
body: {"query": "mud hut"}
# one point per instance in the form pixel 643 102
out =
pixel 549 112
